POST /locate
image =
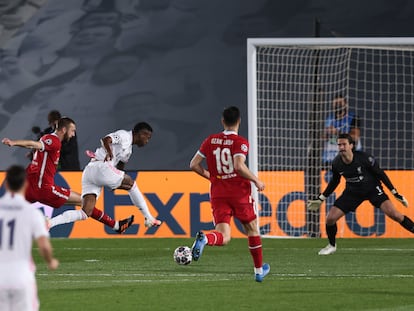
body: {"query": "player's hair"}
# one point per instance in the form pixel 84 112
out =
pixel 141 126
pixel 346 136
pixel 64 122
pixel 340 95
pixel 231 115
pixel 54 115
pixel 15 177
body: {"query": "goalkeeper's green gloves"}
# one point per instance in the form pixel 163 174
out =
pixel 399 197
pixel 315 204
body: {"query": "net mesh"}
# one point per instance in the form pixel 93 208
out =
pixel 295 89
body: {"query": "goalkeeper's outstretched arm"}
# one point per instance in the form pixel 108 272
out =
pixel 315 203
pixel 382 176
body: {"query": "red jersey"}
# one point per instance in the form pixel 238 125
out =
pixel 43 167
pixel 219 151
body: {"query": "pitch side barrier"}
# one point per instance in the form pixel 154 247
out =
pixel 181 201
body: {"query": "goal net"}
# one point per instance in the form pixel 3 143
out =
pixel 294 86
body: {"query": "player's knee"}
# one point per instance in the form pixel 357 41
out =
pixel 330 221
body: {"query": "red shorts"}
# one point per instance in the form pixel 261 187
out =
pixel 52 195
pixel 225 208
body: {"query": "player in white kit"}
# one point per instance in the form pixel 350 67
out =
pixel 20 224
pixel 106 170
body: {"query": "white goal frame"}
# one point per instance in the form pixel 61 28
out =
pixel 325 43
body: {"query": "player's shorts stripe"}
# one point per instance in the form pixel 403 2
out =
pixel 59 194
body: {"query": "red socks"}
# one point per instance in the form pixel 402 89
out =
pixel 102 217
pixel 214 238
pixel 255 248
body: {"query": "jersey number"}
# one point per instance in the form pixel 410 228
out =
pixel 224 160
pixel 4 228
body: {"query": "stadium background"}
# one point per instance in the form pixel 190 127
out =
pixel 173 63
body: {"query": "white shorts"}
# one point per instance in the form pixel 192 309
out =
pixel 19 298
pixel 98 174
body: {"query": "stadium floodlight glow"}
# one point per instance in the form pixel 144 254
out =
pixel 291 85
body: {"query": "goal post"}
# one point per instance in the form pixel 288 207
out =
pixel 292 85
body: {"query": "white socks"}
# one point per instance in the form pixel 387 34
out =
pixel 67 217
pixel 258 270
pixel 138 200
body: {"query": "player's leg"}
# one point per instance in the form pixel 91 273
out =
pixel 389 209
pixel 138 200
pixel 331 229
pixel 347 202
pixel 56 196
pixel 220 236
pixel 69 216
pixel 27 299
pixel 246 213
pixel 380 200
pixel 88 205
pixel 222 213
pixel 95 175
pixel 256 250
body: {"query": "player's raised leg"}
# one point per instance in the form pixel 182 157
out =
pixel 138 200
pixel 88 206
pixel 69 215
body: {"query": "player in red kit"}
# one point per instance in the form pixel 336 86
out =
pixel 230 191
pixel 41 173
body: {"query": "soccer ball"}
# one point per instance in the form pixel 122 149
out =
pixel 182 255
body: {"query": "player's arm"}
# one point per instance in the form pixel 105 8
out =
pixel 315 203
pixel 381 175
pixel 333 183
pixel 106 143
pixel 242 169
pixel 46 251
pixel 196 166
pixel 30 144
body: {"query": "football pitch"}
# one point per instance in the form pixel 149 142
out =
pixel 140 274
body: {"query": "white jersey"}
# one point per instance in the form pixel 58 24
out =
pixel 20 223
pixel 121 147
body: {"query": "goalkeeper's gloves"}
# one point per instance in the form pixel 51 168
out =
pixel 314 205
pixel 399 197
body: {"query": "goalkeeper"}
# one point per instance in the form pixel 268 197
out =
pixel 363 182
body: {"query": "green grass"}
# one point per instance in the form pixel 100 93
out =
pixel 139 274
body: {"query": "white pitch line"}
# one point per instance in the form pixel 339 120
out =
pixel 365 249
pixel 110 248
pixel 359 249
pixel 140 281
pixel 228 276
